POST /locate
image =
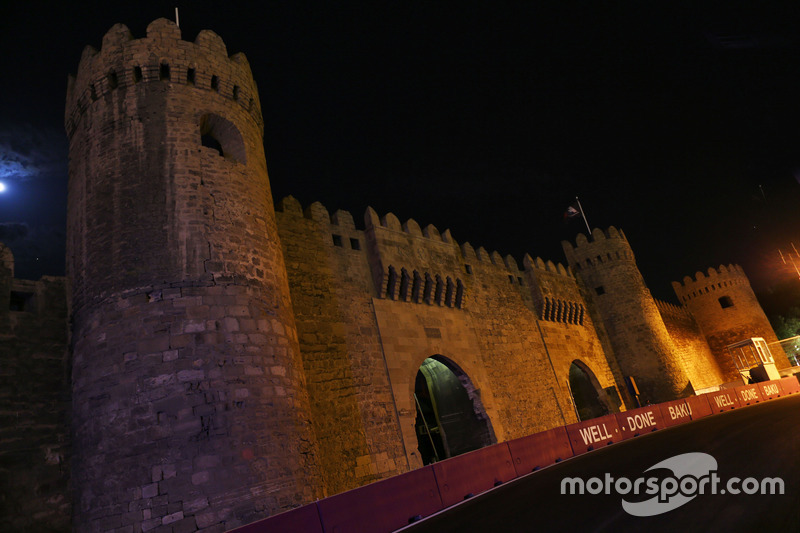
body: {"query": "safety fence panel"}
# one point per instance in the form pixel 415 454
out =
pixel 640 421
pixel 748 394
pixel 676 412
pixel 540 450
pixel 383 506
pixel 699 406
pixel 724 400
pixel 595 433
pixel 301 520
pixel 770 389
pixel 464 476
pixel 790 385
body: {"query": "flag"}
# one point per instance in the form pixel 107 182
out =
pixel 572 211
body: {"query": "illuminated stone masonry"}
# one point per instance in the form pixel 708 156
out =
pixel 229 360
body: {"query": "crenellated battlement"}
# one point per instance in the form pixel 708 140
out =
pixel 672 310
pixel 713 280
pixel 411 227
pixel 549 266
pixel 602 247
pixel 124 62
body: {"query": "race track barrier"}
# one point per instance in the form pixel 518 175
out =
pixel 676 412
pixel 595 433
pixel 789 385
pixel 699 406
pixel 395 502
pixel 304 519
pixel 748 394
pixel 385 505
pixel 639 421
pixel 464 476
pixel 770 390
pixel 724 400
pixel 540 450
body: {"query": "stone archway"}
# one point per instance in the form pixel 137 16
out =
pixel 450 417
pixel 590 400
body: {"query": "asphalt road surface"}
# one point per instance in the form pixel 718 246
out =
pixel 756 441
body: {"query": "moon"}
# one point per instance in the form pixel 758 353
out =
pixel 2 187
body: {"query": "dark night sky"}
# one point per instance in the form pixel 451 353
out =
pixel 487 118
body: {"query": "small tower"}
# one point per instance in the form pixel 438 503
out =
pixel 726 309
pixel 605 265
pixel 189 399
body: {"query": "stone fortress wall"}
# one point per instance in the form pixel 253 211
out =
pixel 725 309
pixel 230 360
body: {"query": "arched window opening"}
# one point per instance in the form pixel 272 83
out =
pixel 113 82
pixel 210 142
pixel 190 76
pixel 221 135
pixel 163 72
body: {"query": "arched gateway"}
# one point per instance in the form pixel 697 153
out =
pixel 450 418
pixel 590 399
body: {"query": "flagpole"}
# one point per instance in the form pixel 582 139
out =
pixel 580 208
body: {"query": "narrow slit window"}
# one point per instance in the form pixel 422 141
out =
pixel 93 92
pixel 235 92
pixel 427 292
pixel 215 83
pixel 190 76
pixel 416 288
pixel 450 293
pixel 405 285
pixel 113 82
pixel 459 294
pixel 163 72
pixel 391 284
pixel 137 74
pixel 439 291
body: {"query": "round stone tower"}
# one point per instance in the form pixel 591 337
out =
pixel 726 309
pixel 605 265
pixel 189 400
